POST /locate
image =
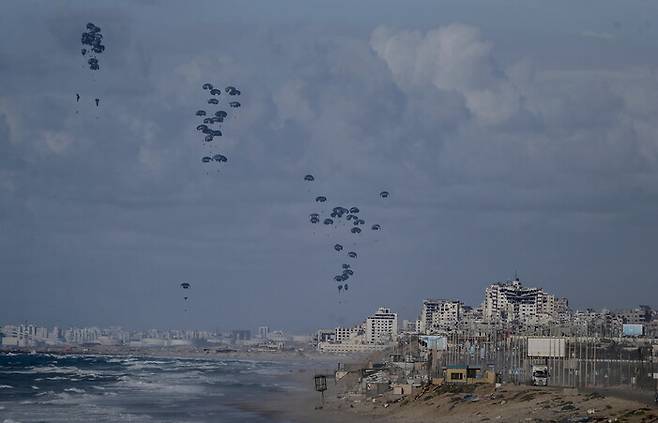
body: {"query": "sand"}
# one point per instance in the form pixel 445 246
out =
pixel 481 403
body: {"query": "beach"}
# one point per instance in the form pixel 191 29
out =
pixel 268 388
pixel 450 403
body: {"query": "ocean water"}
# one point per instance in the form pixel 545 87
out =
pixel 73 388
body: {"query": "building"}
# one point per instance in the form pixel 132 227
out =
pixel 513 302
pixel 382 327
pixel 332 347
pixel 642 314
pixel 439 314
pixel 263 332
pixel 325 335
pixel 448 314
pixel 348 334
pixel 410 326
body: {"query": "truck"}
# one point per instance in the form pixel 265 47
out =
pixel 540 375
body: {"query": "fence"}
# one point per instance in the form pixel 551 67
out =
pixel 579 362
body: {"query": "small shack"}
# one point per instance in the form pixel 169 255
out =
pixel 404 389
pixel 462 374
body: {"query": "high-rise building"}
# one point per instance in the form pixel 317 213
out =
pixel 382 326
pixel 513 302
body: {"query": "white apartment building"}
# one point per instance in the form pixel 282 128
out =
pixel 513 302
pixel 382 327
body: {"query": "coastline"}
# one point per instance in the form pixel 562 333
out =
pixel 296 401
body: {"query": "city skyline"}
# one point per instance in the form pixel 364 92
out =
pixel 451 310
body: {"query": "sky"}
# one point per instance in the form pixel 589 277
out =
pixel 513 136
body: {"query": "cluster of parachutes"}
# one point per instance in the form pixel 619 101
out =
pixel 356 224
pixel 92 39
pixel 92 45
pixel 211 127
pixel 217 118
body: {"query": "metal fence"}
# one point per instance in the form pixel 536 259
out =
pixel 581 363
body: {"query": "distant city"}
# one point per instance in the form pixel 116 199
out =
pixel 507 306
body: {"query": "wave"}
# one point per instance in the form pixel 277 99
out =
pixel 6 387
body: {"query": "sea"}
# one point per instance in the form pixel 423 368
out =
pixel 77 388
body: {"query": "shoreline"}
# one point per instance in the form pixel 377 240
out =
pixel 297 401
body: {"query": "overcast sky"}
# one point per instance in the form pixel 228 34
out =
pixel 512 136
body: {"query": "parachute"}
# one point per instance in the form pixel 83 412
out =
pixel 93 39
pixel 354 210
pixel 356 230
pixel 234 104
pixel 352 254
pixel 346 266
pixel 185 285
pixel 309 178
pixel 375 227
pixel 77 97
pixel 345 287
pixel 384 194
pixel 339 288
pixel 97 100
pixel 328 221
pixel 218 117
pixel 314 220
pixel 320 199
pixel 232 90
pixel 338 247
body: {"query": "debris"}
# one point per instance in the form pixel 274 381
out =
pixel 471 398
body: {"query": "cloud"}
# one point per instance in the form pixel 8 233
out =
pixel 450 58
pixel 479 147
